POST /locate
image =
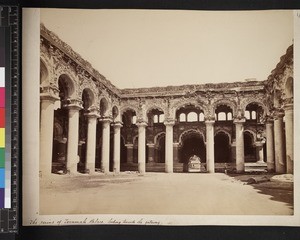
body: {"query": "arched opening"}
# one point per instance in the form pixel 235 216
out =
pixel 223 113
pixel 103 107
pixel 192 144
pixel 155 117
pixel 249 148
pixel 254 112
pixel 222 148
pixel 87 101
pixel 189 114
pixel 115 113
pixel 60 126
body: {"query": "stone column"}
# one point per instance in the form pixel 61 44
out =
pixel 240 155
pixel 151 152
pixel 117 146
pixel 279 143
pixel 91 142
pixel 46 133
pixel 260 151
pixel 129 152
pixel 73 134
pixel 270 146
pixel 289 137
pixel 169 146
pixel 142 147
pixel 175 152
pixel 105 144
pixel 210 154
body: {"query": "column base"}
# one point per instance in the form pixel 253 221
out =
pixel 280 169
pixel 141 168
pixel 271 167
pixel 90 168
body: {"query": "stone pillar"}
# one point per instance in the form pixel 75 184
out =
pixel 260 151
pixel 239 135
pixel 151 152
pixel 279 143
pixel 91 142
pixel 175 152
pixel 142 147
pixel 46 133
pixel 210 153
pixel 169 146
pixel 129 152
pixel 117 146
pixel 270 146
pixel 105 144
pixel 73 134
pixel 289 137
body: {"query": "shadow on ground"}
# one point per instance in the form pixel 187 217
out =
pixel 279 191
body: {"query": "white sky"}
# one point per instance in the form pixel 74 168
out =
pixel 148 48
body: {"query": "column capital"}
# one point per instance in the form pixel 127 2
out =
pixel 117 124
pixel 105 119
pixel 260 144
pixel 278 113
pixel 288 106
pixel 150 144
pixel 48 97
pixel 49 90
pixel 176 144
pixel 269 120
pixel 129 145
pixel 73 104
pixel 169 122
pixel 239 121
pixel 210 122
pixel 141 124
pixel 92 115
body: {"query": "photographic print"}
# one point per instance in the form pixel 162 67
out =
pixel 162 117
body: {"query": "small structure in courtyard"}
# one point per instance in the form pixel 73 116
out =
pixel 194 164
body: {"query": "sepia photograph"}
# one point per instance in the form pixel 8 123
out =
pixel 160 116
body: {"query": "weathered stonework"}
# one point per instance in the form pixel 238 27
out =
pixel 223 110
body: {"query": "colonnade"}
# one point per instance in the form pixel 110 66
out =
pixel 279 145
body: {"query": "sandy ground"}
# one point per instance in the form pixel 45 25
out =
pixel 157 193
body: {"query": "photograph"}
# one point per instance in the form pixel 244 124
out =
pixel 161 117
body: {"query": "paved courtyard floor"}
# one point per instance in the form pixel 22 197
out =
pixel 155 193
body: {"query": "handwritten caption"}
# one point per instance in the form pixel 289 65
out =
pixel 91 221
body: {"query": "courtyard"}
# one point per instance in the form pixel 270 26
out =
pixel 161 193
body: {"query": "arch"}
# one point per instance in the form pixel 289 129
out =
pixel 257 102
pixel 222 148
pixel 224 132
pixel 115 113
pixel 258 115
pixel 192 102
pixel 153 107
pixel 189 132
pixel 231 104
pixel 66 84
pixel 88 98
pixel 128 107
pixel 104 107
pixel 157 137
pixel 252 134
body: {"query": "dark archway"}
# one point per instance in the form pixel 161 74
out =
pixel 249 148
pixel 192 145
pixel 222 148
pixel 161 149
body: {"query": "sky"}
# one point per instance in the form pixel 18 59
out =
pixel 155 48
